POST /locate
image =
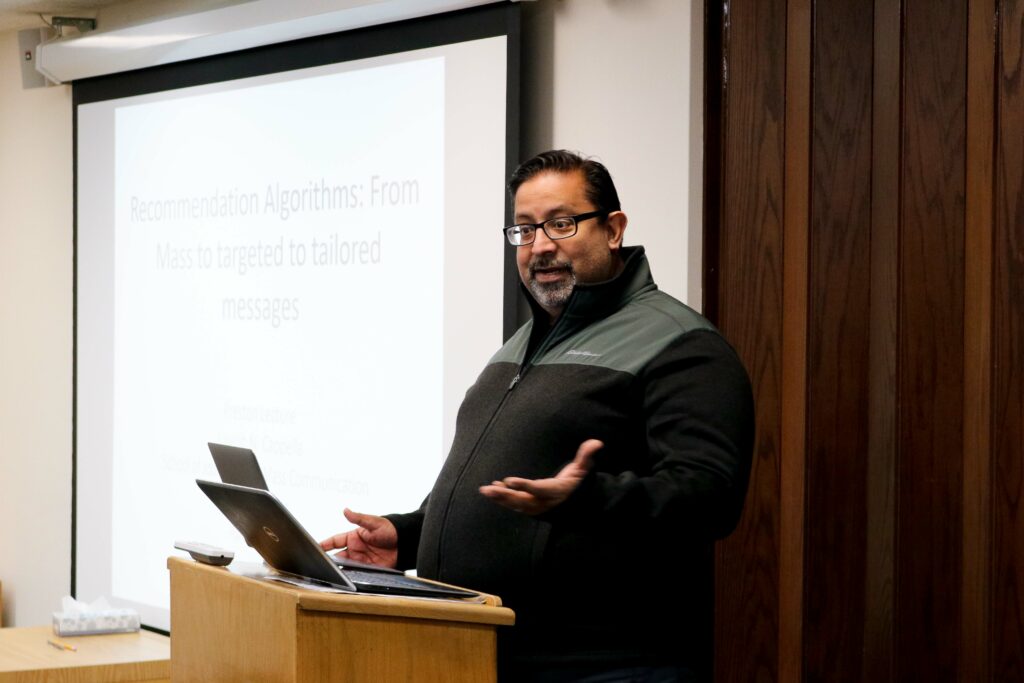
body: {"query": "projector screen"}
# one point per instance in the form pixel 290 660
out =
pixel 307 263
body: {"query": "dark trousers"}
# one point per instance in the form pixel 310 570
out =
pixel 591 674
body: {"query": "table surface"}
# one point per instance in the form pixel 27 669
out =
pixel 26 656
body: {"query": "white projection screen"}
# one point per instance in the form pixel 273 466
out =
pixel 306 262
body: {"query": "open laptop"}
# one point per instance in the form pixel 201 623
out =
pixel 239 466
pixel 286 546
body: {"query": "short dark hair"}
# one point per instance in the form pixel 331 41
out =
pixel 600 188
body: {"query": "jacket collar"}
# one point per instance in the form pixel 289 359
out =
pixel 598 299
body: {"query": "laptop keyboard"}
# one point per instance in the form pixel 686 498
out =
pixel 399 581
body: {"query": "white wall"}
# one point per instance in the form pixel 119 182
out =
pixel 622 80
pixel 35 343
pixel 617 79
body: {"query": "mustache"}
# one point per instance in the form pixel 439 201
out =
pixel 547 263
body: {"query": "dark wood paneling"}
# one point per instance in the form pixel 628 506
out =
pixel 931 357
pixel 976 636
pixel 887 500
pixel 837 347
pixel 880 556
pixel 747 569
pixel 793 464
pixel 1008 376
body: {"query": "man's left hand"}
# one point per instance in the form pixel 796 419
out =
pixel 536 496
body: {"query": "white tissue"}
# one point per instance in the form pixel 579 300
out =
pixel 71 606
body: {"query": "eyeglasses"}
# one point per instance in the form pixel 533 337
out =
pixel 555 228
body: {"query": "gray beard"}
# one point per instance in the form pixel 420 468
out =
pixel 552 294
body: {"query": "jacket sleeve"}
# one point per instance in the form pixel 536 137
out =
pixel 408 525
pixel 699 419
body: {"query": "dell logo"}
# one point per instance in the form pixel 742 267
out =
pixel 272 535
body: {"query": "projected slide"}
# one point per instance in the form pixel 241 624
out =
pixel 295 288
pixel 303 264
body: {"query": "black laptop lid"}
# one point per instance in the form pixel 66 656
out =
pixel 238 466
pixel 278 537
pixel 268 527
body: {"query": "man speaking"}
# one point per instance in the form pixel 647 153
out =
pixel 596 459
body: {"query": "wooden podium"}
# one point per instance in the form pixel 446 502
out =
pixel 226 627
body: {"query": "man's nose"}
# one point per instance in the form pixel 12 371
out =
pixel 542 244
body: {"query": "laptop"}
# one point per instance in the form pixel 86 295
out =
pixel 239 466
pixel 270 529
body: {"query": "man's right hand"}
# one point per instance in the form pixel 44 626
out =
pixel 374 540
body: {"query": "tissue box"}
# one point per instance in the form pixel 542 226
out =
pixel 92 623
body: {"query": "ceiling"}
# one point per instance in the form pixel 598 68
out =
pixel 19 14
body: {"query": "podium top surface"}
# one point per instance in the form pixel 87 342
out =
pixel 488 612
pixel 25 655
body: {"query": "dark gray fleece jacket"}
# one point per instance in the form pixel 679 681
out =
pixel 629 365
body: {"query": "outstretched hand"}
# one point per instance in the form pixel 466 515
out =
pixel 373 541
pixel 536 496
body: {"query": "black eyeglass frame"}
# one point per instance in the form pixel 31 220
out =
pixel 534 227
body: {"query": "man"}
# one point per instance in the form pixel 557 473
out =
pixel 597 457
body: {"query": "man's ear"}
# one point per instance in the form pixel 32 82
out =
pixel 615 223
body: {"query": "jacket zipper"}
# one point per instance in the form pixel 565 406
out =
pixel 462 473
pixel 526 365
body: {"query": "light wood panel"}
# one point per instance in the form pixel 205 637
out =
pixel 232 628
pixel 26 657
pixel 394 649
pixel 223 626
